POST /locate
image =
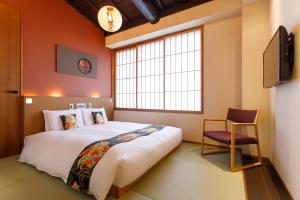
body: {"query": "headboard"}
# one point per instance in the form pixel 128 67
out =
pixel 32 115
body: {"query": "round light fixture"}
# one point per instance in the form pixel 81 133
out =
pixel 110 18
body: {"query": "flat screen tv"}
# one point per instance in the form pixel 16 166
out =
pixel 278 58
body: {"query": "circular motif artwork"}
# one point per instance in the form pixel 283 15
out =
pixel 84 66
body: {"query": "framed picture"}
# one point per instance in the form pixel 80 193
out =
pixel 74 62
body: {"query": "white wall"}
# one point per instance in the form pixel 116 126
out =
pixel 285 101
pixel 255 38
pixel 222 81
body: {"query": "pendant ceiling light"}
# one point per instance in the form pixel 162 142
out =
pixel 110 18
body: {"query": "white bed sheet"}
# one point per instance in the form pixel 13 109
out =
pixel 55 151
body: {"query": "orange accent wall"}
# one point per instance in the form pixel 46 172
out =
pixel 46 23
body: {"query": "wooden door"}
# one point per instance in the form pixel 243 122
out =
pixel 10 81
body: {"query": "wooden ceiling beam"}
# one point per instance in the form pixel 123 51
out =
pixel 95 9
pixel 121 11
pixel 150 13
pixel 158 4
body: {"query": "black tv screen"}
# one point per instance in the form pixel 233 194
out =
pixel 277 59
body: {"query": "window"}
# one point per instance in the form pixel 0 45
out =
pixel 163 74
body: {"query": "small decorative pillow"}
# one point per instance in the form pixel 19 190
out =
pixel 69 121
pixel 98 118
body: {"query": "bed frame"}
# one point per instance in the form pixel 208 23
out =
pixel 33 122
pixel 118 192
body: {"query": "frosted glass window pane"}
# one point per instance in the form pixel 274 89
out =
pixel 148 101
pixel 167 82
pixel 173 45
pixel 152 66
pixel 140 53
pixel 148 51
pixel 134 55
pixel 167 46
pixel 191 64
pixel 156 66
pixel 152 84
pixel 143 100
pixel 184 102
pixel 178 63
pixel 168 65
pixel 156 81
pixel 197 40
pixel 152 55
pixel 161 50
pixel 178 101
pixel 191 42
pixel 197 60
pixel 157 49
pixel 161 63
pixel 168 100
pixel 184 62
pixel 191 100
pixel 178 82
pixel 124 100
pixel 178 44
pixel 161 83
pixel 173 64
pixel 148 84
pixel 142 68
pixel 197 80
pixel 191 81
pixel 184 42
pixel 184 77
pixel 173 101
pixel 124 57
pixel 128 57
pixel 161 102
pixel 121 72
pixel 197 101
pixel 173 82
pixel 152 100
pixel 156 101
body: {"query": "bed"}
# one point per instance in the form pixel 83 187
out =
pixel 55 151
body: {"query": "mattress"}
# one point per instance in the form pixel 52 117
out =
pixel 55 151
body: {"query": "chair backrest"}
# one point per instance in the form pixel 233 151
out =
pixel 242 116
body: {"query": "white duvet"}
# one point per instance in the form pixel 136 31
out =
pixel 55 151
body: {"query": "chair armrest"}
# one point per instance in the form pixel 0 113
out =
pixel 214 119
pixel 243 124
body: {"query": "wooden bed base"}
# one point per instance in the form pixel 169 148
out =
pixel 118 192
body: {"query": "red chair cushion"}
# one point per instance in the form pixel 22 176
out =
pixel 225 137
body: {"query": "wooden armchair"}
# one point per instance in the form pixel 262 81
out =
pixel 239 118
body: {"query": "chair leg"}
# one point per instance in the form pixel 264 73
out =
pixel 232 150
pixel 258 153
pixel 232 157
pixel 202 145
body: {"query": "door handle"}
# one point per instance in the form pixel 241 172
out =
pixel 12 91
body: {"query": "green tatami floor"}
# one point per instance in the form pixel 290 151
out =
pixel 184 175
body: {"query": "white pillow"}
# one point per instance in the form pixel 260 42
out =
pixel 88 117
pixel 47 127
pixel 53 121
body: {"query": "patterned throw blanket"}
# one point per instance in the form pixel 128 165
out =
pixel 82 168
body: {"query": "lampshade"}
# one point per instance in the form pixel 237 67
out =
pixel 110 18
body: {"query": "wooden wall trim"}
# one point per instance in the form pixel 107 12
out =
pixel 32 116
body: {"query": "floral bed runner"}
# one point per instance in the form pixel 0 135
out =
pixel 83 166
